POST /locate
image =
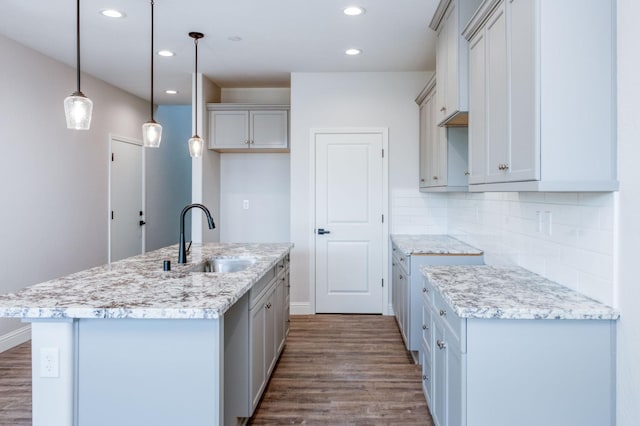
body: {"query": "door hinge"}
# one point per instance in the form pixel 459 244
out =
pixel 383 153
pixel 382 218
pixel 383 282
pixel 111 214
pixel 112 157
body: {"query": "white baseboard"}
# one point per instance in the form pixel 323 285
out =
pixel 301 308
pixel 15 337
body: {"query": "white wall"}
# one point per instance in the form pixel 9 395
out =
pixel 628 283
pixel 54 181
pixel 263 181
pixel 566 237
pixel 168 177
pixel 323 100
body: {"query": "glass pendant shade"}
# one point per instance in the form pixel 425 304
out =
pixel 77 109
pixel 151 134
pixel 196 145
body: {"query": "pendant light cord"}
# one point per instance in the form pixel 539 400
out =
pixel 78 42
pixel 151 104
pixel 196 86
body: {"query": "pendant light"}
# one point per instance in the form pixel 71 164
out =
pixel 196 143
pixel 151 130
pixel 77 107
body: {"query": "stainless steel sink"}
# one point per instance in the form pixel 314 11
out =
pixel 224 264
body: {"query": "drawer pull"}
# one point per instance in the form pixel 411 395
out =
pixel 424 290
pixel 424 326
pixel 402 259
pixel 401 277
pixel 424 377
pixel 441 344
pixel 443 313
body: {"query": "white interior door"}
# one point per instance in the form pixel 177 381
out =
pixel 349 222
pixel 126 200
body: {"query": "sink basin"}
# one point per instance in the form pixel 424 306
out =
pixel 224 264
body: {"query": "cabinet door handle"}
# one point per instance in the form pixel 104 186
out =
pixel 466 173
pixel 401 277
pixel 424 326
pixel 425 377
pixel 424 290
pixel 435 178
pixel 268 305
pixel 443 109
pixel 322 231
pixel 443 313
pixel 421 180
pixel 441 344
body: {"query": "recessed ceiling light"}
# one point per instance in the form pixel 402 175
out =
pixel 166 53
pixel 353 11
pixel 234 38
pixel 171 92
pixel 353 52
pixel 112 13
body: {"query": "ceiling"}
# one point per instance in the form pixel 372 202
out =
pixel 277 37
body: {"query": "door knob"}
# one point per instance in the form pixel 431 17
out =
pixel 142 222
pixel 322 231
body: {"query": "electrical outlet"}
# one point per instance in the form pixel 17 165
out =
pixel 49 362
pixel 245 204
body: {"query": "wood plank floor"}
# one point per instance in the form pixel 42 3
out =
pixel 335 370
pixel 344 370
pixel 15 386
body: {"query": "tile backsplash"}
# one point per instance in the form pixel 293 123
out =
pixel 566 237
pixel 413 212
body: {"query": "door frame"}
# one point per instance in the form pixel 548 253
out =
pixel 112 138
pixel 384 131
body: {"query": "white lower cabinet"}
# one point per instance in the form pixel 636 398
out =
pixel 406 294
pixel 256 328
pixel 525 372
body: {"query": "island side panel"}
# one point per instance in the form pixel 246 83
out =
pixel 53 392
pixel 150 371
pixel 540 372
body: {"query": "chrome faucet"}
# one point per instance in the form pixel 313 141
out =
pixel 182 255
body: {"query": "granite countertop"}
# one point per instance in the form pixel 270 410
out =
pixel 137 287
pixel 432 245
pixel 511 293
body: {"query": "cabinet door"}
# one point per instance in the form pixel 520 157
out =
pixel 497 112
pixel 453 77
pixel 270 333
pixel 477 109
pixel 441 73
pixel 439 151
pixel 423 140
pixel 257 349
pixel 229 129
pixel 432 140
pixel 456 408
pixel 279 300
pixel 269 129
pixel 524 162
pixel 439 405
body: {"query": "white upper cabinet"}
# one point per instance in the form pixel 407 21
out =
pixel 542 96
pixel 443 151
pixel 245 128
pixel 451 102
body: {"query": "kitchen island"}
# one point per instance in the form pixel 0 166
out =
pixel 129 343
pixel 504 346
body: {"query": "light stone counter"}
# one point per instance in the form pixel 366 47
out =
pixel 137 287
pixel 432 244
pixel 511 293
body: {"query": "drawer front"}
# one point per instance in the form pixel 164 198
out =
pixel 453 323
pixel 427 327
pixel 403 259
pixel 427 291
pixel 261 286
